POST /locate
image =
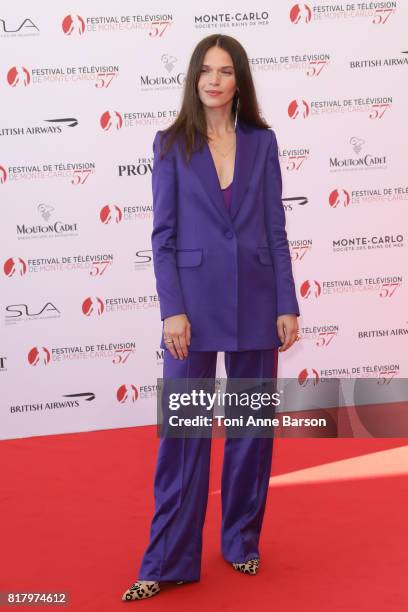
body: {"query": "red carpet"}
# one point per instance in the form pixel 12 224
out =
pixel 77 509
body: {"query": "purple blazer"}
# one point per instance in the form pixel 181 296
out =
pixel 229 271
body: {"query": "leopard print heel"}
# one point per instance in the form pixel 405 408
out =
pixel 249 567
pixel 139 590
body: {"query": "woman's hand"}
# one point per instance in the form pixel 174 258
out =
pixel 287 330
pixel 178 329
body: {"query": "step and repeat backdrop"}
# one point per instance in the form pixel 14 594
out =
pixel 82 96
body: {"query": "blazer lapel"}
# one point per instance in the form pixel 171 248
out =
pixel 245 156
pixel 203 165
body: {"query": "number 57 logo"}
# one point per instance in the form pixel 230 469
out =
pixel 122 355
pixel 388 289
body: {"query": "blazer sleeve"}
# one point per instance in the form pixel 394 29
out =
pixel 276 230
pixel 163 238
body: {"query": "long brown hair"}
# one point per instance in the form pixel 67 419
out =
pixel 190 123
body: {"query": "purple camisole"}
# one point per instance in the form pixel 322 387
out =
pixel 227 193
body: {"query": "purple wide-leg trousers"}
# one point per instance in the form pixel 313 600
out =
pixel 182 480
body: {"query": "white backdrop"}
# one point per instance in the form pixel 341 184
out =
pixel 82 96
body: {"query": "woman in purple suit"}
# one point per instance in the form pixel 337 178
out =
pixel 224 279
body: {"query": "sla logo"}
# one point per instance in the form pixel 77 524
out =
pixel 300 13
pixel 92 306
pixel 39 356
pixel 30 24
pixel 22 310
pixel 3 175
pixel 111 119
pixel 110 213
pixel 310 289
pixel 339 196
pixel 18 75
pixel 127 393
pixel 298 108
pixel 73 24
pixel 15 266
pixel 306 377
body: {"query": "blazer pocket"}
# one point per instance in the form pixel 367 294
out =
pixel 188 258
pixel 265 256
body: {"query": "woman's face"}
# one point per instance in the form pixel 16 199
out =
pixel 217 75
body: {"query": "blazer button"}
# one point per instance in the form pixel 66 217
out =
pixel 228 234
